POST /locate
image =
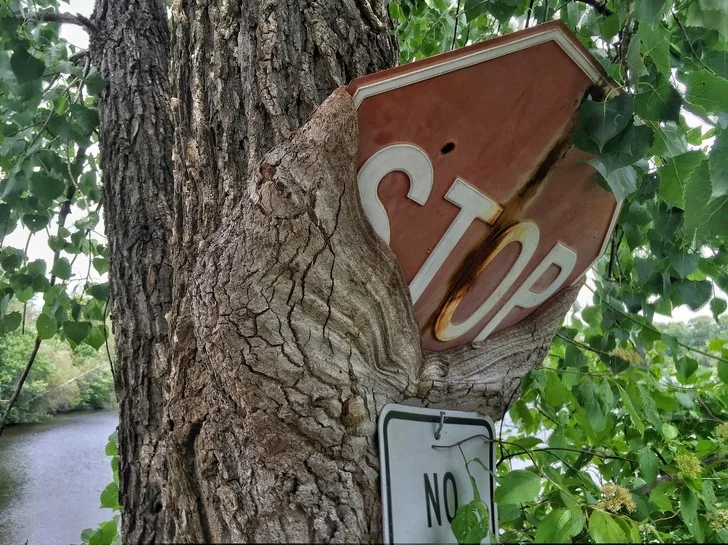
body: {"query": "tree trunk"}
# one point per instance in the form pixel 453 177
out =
pixel 290 322
pixel 131 50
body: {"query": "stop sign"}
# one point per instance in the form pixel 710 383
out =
pixel 466 169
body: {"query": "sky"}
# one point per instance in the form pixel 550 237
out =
pixel 38 247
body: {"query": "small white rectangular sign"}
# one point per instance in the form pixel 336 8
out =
pixel 423 455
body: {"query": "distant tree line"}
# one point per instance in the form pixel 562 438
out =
pixel 62 379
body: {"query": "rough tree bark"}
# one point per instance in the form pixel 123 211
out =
pixel 290 322
pixel 131 49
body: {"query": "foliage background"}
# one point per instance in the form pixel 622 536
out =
pixel 623 430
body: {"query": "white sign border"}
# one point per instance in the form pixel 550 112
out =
pixel 424 414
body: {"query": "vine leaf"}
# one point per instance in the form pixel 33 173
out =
pixel 604 529
pixel 689 513
pixel 660 103
pixel 704 217
pixel 76 331
pixel 46 326
pixel 656 45
pixel 601 121
pixel 674 176
pixel 25 66
pixel 707 91
pixel 559 526
pixel 649 464
pixel 518 486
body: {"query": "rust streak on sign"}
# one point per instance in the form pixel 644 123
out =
pixel 483 253
pixel 467 171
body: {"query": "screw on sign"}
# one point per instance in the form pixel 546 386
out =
pixel 467 171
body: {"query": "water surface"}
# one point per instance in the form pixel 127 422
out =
pixel 51 476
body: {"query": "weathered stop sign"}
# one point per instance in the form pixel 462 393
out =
pixel 466 169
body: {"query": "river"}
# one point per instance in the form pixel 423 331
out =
pixel 51 476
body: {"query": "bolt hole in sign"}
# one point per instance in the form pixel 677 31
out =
pixel 466 169
pixel 424 477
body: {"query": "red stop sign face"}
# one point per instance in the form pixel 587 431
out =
pixel 466 169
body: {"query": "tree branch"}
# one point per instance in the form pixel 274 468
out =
pixel 63 18
pixel 598 6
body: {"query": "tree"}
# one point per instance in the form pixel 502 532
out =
pixel 260 324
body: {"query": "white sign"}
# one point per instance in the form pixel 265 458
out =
pixel 423 472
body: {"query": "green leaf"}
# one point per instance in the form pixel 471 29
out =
pixel 660 103
pixel 660 495
pixel 683 262
pixel 62 268
pixel 471 522
pixel 686 367
pixel 622 181
pixel 723 371
pixel 669 140
pixel 656 45
pixel 634 59
pixel 76 331
pixel 559 526
pixel 597 400
pixel 610 27
pixel 717 61
pixel 689 513
pixel 87 118
pixel 86 534
pixel 98 291
pixel 698 16
pixel 46 187
pixel 719 165
pixel 694 294
pixel 674 175
pixel 110 497
pixel 649 464
pixel 718 306
pixel 601 121
pixel 603 528
pixel 96 337
pixel 518 486
pixel 46 326
pixel 11 321
pixel 704 217
pixel 112 448
pixel 35 222
pixel 633 415
pixel 25 66
pixel 669 431
pixel 707 91
pixel 105 534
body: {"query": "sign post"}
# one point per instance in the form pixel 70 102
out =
pixel 424 477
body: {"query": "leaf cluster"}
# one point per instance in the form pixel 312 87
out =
pixel 610 431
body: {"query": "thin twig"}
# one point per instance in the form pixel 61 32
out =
pixel 528 13
pixel 582 345
pixel 690 45
pixel 63 18
pixel 455 30
pixel 66 383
